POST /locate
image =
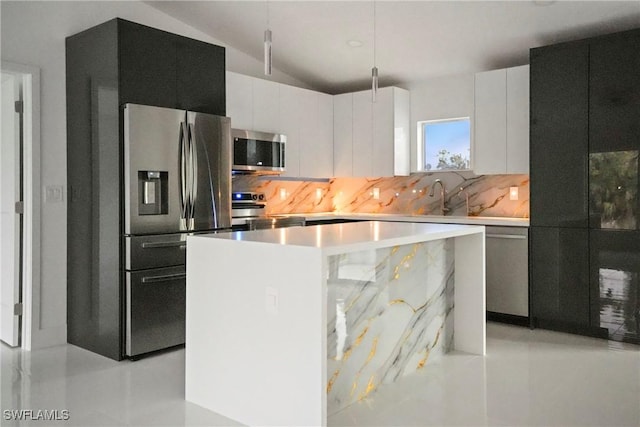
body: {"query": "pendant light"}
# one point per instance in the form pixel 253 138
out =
pixel 374 70
pixel 267 46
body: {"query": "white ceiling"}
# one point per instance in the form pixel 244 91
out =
pixel 415 40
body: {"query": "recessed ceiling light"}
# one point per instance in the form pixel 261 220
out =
pixel 354 43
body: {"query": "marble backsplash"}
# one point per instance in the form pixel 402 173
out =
pixel 489 195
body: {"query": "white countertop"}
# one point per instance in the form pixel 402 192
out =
pixel 349 237
pixel 440 219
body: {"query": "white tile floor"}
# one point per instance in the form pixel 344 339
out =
pixel 528 377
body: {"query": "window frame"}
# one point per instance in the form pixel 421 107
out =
pixel 421 166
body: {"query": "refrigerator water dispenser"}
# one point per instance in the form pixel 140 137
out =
pixel 152 192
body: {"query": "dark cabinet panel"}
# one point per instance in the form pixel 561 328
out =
pixel 559 136
pixel 614 102
pixel 201 77
pixel 615 283
pixel 147 65
pixel 94 291
pixel 559 278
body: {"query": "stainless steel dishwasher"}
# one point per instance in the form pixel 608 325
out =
pixel 507 266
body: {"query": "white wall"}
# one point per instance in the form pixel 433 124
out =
pixel 440 98
pixel 33 33
pixel 8 184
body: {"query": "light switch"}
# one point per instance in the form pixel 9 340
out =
pixel 53 194
pixel 271 300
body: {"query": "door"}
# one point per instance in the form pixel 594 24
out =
pixel 210 138
pixel 10 221
pixel 559 102
pixel 153 138
pixel 200 80
pixel 147 65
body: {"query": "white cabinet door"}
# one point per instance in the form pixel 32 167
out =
pixel 401 132
pixel 239 100
pixel 324 148
pixel 289 112
pixel 265 102
pixel 343 134
pixel 518 119
pixel 490 144
pixel 383 133
pixel 308 106
pixel 362 134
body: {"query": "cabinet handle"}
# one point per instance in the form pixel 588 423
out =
pixel 150 245
pixel 164 278
pixel 507 236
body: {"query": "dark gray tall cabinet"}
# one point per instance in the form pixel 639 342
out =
pixel 107 66
pixel 585 145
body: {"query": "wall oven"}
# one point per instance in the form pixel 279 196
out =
pixel 258 152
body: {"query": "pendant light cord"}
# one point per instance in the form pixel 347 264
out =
pixel 374 33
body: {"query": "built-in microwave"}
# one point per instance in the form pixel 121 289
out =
pixel 258 151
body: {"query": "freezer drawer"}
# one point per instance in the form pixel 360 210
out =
pixel 155 309
pixel 157 251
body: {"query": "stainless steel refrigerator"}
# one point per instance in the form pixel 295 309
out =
pixel 177 180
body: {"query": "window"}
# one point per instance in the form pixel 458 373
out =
pixel 445 144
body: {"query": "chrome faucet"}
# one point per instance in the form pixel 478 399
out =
pixel 466 197
pixel 443 208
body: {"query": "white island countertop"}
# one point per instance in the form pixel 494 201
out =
pixel 350 237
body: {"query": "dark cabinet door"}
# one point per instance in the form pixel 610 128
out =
pixel 559 278
pixel 614 102
pixel 559 135
pixel 147 65
pixel 615 283
pixel 614 131
pixel 201 77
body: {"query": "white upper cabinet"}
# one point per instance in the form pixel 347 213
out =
pixel 518 119
pixel 501 143
pixel 289 112
pixel 239 100
pixel 372 139
pixel 304 116
pixel 266 117
pixel 343 135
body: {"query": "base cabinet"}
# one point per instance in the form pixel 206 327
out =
pixel 559 279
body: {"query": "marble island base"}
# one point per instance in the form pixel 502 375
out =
pixel 287 326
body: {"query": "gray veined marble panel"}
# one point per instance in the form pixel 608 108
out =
pixel 389 312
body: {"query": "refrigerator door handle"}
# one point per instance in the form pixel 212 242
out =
pixel 193 171
pixel 184 196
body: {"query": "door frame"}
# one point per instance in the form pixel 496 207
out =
pixel 31 285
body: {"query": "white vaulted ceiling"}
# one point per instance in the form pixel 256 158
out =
pixel 416 40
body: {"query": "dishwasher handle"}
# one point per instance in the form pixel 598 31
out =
pixel 506 236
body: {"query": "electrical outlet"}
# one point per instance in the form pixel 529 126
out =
pixel 513 193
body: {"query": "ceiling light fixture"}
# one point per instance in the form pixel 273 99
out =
pixel 374 70
pixel 354 43
pixel 267 46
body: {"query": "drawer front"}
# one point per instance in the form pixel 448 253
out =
pixel 156 251
pixel 155 309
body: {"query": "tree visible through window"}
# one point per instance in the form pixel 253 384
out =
pixel 446 144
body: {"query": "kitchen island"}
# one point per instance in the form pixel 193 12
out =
pixel 285 326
